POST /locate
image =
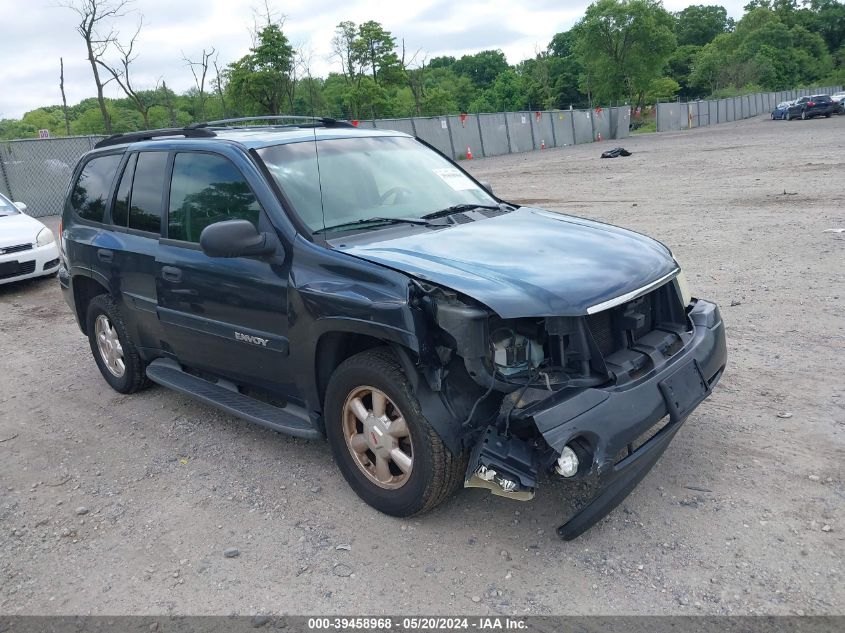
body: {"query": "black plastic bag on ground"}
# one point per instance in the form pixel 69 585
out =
pixel 616 151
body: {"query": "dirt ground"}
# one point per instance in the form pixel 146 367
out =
pixel 124 505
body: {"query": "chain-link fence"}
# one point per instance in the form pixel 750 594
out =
pixel 687 115
pixel 37 171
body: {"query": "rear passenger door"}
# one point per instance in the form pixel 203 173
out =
pixel 126 253
pixel 227 316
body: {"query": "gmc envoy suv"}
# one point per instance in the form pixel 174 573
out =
pixel 356 285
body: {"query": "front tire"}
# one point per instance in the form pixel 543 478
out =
pixel 803 115
pixel 385 448
pixel 113 350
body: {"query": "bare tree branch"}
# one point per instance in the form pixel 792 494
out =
pixel 93 16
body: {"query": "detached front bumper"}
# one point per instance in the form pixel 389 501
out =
pixel 610 421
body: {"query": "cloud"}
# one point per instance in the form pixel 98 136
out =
pixel 37 33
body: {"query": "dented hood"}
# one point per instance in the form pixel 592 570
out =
pixel 527 263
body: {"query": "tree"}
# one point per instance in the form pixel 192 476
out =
pixel 141 101
pixel 199 70
pixel 483 67
pixel 261 81
pixel 64 98
pixel 624 45
pixel 94 17
pixel 699 24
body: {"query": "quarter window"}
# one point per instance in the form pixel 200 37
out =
pixel 91 191
pixel 206 189
pixel 120 210
pixel 147 186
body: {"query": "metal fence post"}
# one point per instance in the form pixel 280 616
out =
pixel 451 140
pixel 554 134
pixel 533 116
pixel 5 175
pixel 508 133
pixel 480 134
pixel 413 126
pixel 572 123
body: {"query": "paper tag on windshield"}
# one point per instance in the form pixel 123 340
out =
pixel 455 179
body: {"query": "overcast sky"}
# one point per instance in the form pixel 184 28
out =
pixel 36 33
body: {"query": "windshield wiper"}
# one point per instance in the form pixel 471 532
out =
pixel 377 221
pixel 457 208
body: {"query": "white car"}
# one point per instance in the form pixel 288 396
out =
pixel 27 247
pixel 840 97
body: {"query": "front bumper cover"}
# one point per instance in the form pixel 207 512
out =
pixel 612 419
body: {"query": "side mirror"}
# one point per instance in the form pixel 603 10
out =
pixel 487 187
pixel 235 238
pixel 21 206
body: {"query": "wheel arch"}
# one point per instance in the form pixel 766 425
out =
pixel 335 346
pixel 85 288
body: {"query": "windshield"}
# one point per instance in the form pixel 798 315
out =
pixel 367 177
pixel 6 207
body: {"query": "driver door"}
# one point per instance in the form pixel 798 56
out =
pixel 227 316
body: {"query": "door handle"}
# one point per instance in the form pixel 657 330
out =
pixel 104 255
pixel 171 273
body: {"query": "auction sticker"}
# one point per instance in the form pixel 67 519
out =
pixel 455 179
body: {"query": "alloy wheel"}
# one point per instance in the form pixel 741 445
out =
pixel 111 351
pixel 378 437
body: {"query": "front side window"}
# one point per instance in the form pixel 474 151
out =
pixel 205 189
pixel 90 193
pixel 338 181
pixel 147 186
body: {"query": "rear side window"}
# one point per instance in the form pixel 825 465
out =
pixel 120 210
pixel 205 189
pixel 147 186
pixel 90 193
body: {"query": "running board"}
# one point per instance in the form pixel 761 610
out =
pixel 291 420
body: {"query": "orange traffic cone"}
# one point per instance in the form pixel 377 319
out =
pixel 542 144
pixel 469 153
pixel 599 138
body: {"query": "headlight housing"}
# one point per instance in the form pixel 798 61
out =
pixel 683 288
pixel 44 237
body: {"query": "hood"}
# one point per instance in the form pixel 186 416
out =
pixel 18 229
pixel 526 263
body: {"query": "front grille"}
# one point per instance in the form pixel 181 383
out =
pixel 24 268
pixel 601 327
pixel 5 250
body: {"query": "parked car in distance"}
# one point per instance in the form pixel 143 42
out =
pixel 27 247
pixel 781 109
pixel 357 285
pixel 839 98
pixel 810 107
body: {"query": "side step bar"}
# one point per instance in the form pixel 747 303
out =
pixel 291 420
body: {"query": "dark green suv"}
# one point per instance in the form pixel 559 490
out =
pixel 329 281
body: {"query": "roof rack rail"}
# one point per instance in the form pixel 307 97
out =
pixel 146 135
pixel 324 121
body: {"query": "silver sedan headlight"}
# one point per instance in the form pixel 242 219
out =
pixel 44 237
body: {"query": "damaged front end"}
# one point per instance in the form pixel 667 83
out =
pixel 598 395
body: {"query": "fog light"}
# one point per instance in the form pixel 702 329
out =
pixel 567 463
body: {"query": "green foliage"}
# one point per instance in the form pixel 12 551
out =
pixel 764 50
pixel 261 82
pixel 624 45
pixel 699 24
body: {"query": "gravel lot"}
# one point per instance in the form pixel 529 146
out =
pixel 125 505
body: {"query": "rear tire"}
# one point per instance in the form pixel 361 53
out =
pixel 113 349
pixel 432 473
